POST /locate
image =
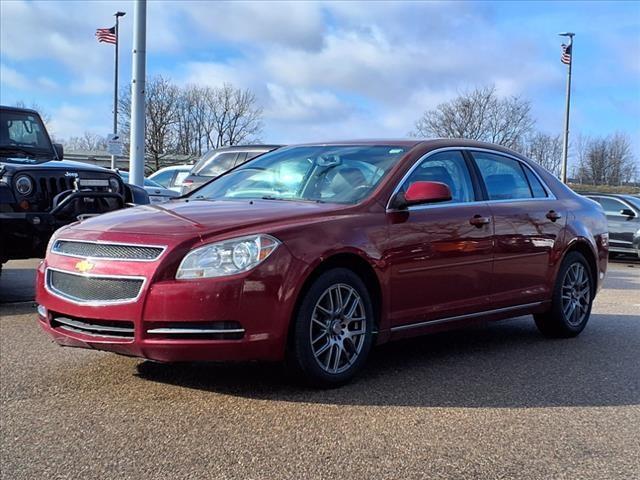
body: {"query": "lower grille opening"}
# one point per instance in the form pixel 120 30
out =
pixel 196 330
pixel 93 288
pixel 94 328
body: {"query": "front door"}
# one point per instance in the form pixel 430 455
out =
pixel 440 255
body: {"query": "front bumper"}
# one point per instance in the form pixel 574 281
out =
pixel 168 314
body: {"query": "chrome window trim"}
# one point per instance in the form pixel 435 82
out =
pixel 438 321
pixel 93 303
pixel 550 195
pixel 106 242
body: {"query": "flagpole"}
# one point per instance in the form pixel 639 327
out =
pixel 565 143
pixel 115 85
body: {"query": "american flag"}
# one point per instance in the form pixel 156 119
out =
pixel 107 35
pixel 566 54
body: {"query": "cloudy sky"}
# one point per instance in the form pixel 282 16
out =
pixel 330 70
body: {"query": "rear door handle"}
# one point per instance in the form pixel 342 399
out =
pixel 553 215
pixel 479 221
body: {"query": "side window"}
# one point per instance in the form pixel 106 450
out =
pixel 536 187
pixel 610 206
pixel 164 178
pixel 180 176
pixel 445 167
pixel 504 177
pixel 219 164
pixel 251 155
pixel 242 157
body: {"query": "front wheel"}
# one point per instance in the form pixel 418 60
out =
pixel 333 329
pixel 571 301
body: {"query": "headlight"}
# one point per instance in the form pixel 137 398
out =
pixel 227 258
pixel 114 184
pixel 24 185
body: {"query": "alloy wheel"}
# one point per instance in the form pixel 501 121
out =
pixel 576 294
pixel 338 328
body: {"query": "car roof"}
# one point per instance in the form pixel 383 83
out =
pixel 175 167
pixel 431 143
pixel 245 147
pixel 19 109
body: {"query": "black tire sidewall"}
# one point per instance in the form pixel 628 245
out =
pixel 301 357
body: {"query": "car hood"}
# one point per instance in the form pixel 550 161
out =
pixel 204 218
pixel 49 164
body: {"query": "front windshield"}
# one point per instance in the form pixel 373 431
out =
pixel 23 136
pixel 336 174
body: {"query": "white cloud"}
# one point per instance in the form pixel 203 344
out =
pixel 12 78
pixel 302 105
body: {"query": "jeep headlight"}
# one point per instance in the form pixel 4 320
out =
pixel 114 184
pixel 24 185
pixel 226 258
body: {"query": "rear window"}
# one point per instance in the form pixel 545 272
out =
pixel 218 164
pixel 536 187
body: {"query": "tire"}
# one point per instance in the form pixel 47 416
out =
pixel 331 341
pixel 571 301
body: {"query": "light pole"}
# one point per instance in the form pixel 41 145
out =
pixel 138 73
pixel 565 144
pixel 115 85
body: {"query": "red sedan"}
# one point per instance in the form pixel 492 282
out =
pixel 312 254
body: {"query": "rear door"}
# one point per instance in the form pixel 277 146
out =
pixel 440 255
pixel 528 220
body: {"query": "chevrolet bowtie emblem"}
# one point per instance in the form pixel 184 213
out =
pixel 84 266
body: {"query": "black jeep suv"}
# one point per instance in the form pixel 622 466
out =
pixel 40 192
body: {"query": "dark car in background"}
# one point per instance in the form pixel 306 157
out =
pixel 40 192
pixel 220 160
pixel 623 217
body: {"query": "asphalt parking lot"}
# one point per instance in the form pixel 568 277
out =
pixel 496 401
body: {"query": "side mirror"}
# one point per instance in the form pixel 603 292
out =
pixel 423 192
pixel 59 150
pixel 627 212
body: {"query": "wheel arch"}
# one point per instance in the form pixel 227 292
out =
pixel 583 247
pixel 357 264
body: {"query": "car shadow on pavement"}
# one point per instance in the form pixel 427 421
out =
pixel 501 365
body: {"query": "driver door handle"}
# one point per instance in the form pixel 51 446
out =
pixel 479 221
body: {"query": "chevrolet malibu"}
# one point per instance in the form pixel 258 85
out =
pixel 313 254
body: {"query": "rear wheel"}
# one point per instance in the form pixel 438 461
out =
pixel 333 329
pixel 572 299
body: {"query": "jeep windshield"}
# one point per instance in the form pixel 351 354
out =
pixel 23 138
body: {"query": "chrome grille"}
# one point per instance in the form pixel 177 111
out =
pixel 94 328
pixel 112 251
pixel 93 289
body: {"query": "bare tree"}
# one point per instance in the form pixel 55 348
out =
pixel 193 119
pixel 479 115
pixel 606 160
pixel 545 150
pixel 88 141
